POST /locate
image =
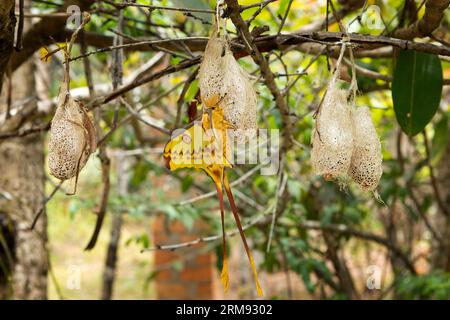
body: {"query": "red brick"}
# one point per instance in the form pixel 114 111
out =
pixel 162 257
pixel 177 227
pixel 203 260
pixel 204 291
pixel 164 275
pixel 195 281
pixel 172 291
pixel 197 274
pixel 158 224
pixel 189 237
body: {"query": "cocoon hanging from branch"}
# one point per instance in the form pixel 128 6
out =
pixel 72 138
pixel 226 85
pixel 332 141
pixel 366 164
pixel 72 132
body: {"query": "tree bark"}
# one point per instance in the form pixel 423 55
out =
pixel 22 181
pixel 109 273
pixel 434 12
pixel 43 31
pixel 7 24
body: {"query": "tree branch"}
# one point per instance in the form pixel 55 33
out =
pixel 434 12
pixel 42 32
pixel 269 77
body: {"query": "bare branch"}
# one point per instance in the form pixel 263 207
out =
pixel 138 5
pixel 434 183
pixel 434 12
pixel 265 70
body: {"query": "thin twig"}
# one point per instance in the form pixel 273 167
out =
pixel 128 118
pixel 44 203
pixel 238 181
pixel 434 183
pixel 101 211
pixel 181 101
pixel 137 44
pixel 343 229
pixel 116 68
pixel 265 71
pixel 87 66
pixel 280 28
pixel 282 179
pixel 187 244
pixel 150 7
pixel 25 132
pixel 150 122
pixel 138 82
pixel 264 218
pixel 254 5
pixel 262 6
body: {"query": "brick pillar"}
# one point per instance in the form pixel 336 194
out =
pixel 195 279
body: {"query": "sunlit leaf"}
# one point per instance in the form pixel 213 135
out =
pixel 282 8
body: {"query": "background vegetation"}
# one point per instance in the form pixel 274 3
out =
pixel 333 240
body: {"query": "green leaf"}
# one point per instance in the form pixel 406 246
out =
pixel 219 254
pixel 192 91
pixel 416 90
pixel 197 4
pixel 169 210
pixel 186 183
pixel 175 60
pixel 440 140
pixel 149 278
pixel 140 173
pixel 212 4
pixel 282 8
pixel 187 220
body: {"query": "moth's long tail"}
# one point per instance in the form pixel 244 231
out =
pixel 224 276
pixel 244 240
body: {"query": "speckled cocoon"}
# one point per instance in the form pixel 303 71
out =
pixel 224 84
pixel 366 164
pixel 72 138
pixel 332 141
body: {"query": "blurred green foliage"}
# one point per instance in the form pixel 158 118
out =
pixel 310 198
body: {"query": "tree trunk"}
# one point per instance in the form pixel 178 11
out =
pixel 109 273
pixel 22 186
pixel 7 24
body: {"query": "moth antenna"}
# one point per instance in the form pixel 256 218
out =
pixel 241 232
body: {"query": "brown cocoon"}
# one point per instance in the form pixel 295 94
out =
pixel 224 84
pixel 72 138
pixel 332 141
pixel 366 164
